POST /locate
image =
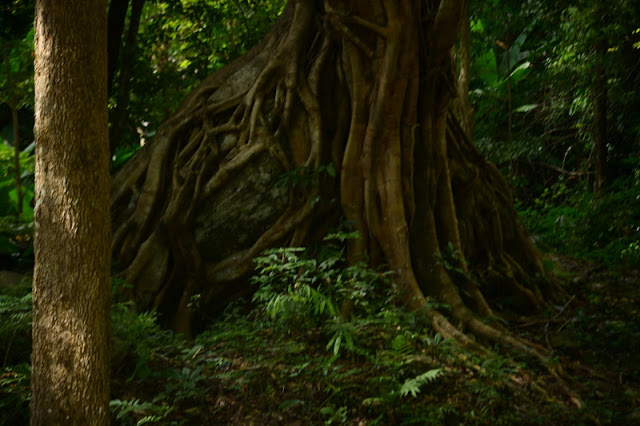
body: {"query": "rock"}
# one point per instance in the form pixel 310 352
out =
pixel 237 215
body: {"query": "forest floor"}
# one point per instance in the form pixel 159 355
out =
pixel 388 370
pixel 385 367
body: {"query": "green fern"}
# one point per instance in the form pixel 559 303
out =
pixel 412 386
pixel 132 408
pixel 401 345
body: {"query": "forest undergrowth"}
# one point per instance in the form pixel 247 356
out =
pixel 290 356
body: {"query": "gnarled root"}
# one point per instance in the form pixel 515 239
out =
pixel 343 83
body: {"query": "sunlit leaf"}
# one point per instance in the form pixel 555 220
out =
pixel 526 108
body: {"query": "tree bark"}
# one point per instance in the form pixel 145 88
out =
pixel 364 85
pixel 464 109
pixel 71 290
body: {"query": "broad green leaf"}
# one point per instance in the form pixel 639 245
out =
pixel 520 72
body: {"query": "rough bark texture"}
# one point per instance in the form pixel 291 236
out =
pixel 364 85
pixel 464 110
pixel 71 296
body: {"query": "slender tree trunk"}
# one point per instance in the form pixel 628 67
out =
pixel 71 291
pixel 128 57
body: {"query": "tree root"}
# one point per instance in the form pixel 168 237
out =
pixel 342 82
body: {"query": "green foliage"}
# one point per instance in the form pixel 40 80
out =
pixel 122 155
pixel 314 365
pixel 15 341
pixel 605 227
pixel 16 93
pixel 179 45
pixel 16 70
pixel 183 383
pixel 334 415
pixel 553 53
pixel 15 317
pixel 16 233
pixel 631 254
pixel 138 341
pixel 412 386
pixel 8 196
pixel 309 291
pixel 124 411
pixel 290 296
pixel 452 259
pixel 316 280
pixel 14 394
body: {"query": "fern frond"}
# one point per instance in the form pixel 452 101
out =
pixel 412 386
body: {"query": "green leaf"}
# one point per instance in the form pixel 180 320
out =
pixel 331 171
pixel 526 108
pixel 412 386
pixel 515 54
pixel 520 72
pixel 485 68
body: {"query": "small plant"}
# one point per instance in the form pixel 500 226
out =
pixel 334 415
pixel 600 227
pixel 136 412
pixel 631 254
pixel 183 383
pixel 138 340
pixel 451 258
pixel 412 386
pixel 291 288
pixel 14 394
pixel 15 324
pixel 344 335
pixel 295 288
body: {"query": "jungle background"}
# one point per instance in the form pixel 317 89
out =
pixel 553 89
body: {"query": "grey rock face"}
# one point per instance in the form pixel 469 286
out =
pixel 237 215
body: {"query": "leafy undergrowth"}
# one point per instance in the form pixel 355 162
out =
pixel 294 357
pixel 602 228
pixel 290 359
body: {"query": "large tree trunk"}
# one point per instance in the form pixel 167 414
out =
pixel 71 285
pixel 364 85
